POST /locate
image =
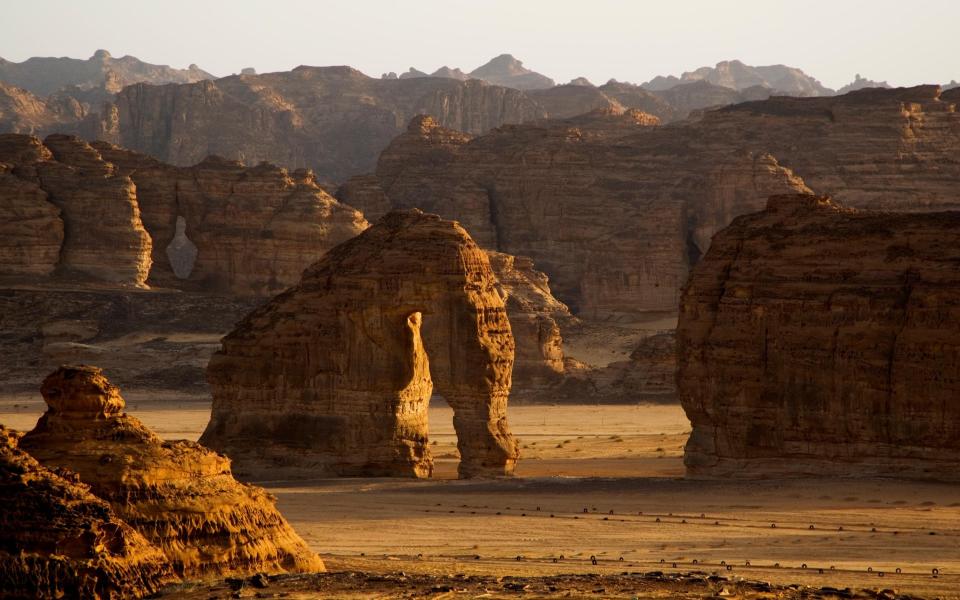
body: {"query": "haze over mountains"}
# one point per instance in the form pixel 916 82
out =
pixel 336 120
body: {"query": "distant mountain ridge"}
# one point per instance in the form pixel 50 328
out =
pixel 738 76
pixel 504 70
pixel 46 75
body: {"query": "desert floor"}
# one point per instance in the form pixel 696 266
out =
pixel 605 482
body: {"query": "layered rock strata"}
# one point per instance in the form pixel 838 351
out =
pixel 99 218
pixel 821 340
pixel 616 215
pixel 181 496
pixel 335 374
pixel 604 204
pixel 536 318
pixel 246 230
pixel 334 120
pixel 106 213
pixel 57 540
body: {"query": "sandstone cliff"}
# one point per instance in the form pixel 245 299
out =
pixel 536 318
pixel 335 374
pixel 615 215
pixel 181 496
pixel 220 226
pixel 102 234
pixel 57 540
pixel 613 208
pixel 109 214
pixel 821 340
pixel 334 120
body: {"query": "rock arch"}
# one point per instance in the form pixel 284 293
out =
pixel 334 376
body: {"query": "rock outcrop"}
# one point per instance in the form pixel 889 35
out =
pixel 220 226
pixel 57 540
pixel 109 214
pixel 821 340
pixel 31 230
pixel 335 374
pixel 334 120
pixel 102 234
pixel 613 208
pixel 536 318
pixel 181 496
pixel 615 212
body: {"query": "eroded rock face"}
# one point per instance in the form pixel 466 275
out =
pixel 181 496
pixel 613 208
pixel 31 230
pixel 57 540
pixel 106 213
pixel 306 118
pixel 821 340
pixel 335 374
pixel 253 229
pixel 616 212
pixel 536 318
pixel 99 217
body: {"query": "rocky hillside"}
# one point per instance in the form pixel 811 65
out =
pixel 820 340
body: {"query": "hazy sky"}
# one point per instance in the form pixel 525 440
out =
pixel 905 42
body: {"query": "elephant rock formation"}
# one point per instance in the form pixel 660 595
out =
pixel 335 374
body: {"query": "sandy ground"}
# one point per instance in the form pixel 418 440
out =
pixel 606 482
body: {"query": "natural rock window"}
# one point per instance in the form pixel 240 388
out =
pixel 181 251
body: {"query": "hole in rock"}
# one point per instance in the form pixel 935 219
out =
pixel 443 438
pixel 181 252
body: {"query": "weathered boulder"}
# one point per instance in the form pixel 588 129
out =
pixel 103 236
pixel 335 374
pixel 181 496
pixel 821 340
pixel 57 540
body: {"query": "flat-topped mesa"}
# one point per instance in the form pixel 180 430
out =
pixel 181 496
pixel 816 339
pixel 62 195
pixel 57 540
pixel 334 375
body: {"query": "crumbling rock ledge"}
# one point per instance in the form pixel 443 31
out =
pixel 334 375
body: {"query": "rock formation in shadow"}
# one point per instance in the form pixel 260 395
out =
pixel 178 494
pixel 334 375
pixel 821 340
pixel 57 540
